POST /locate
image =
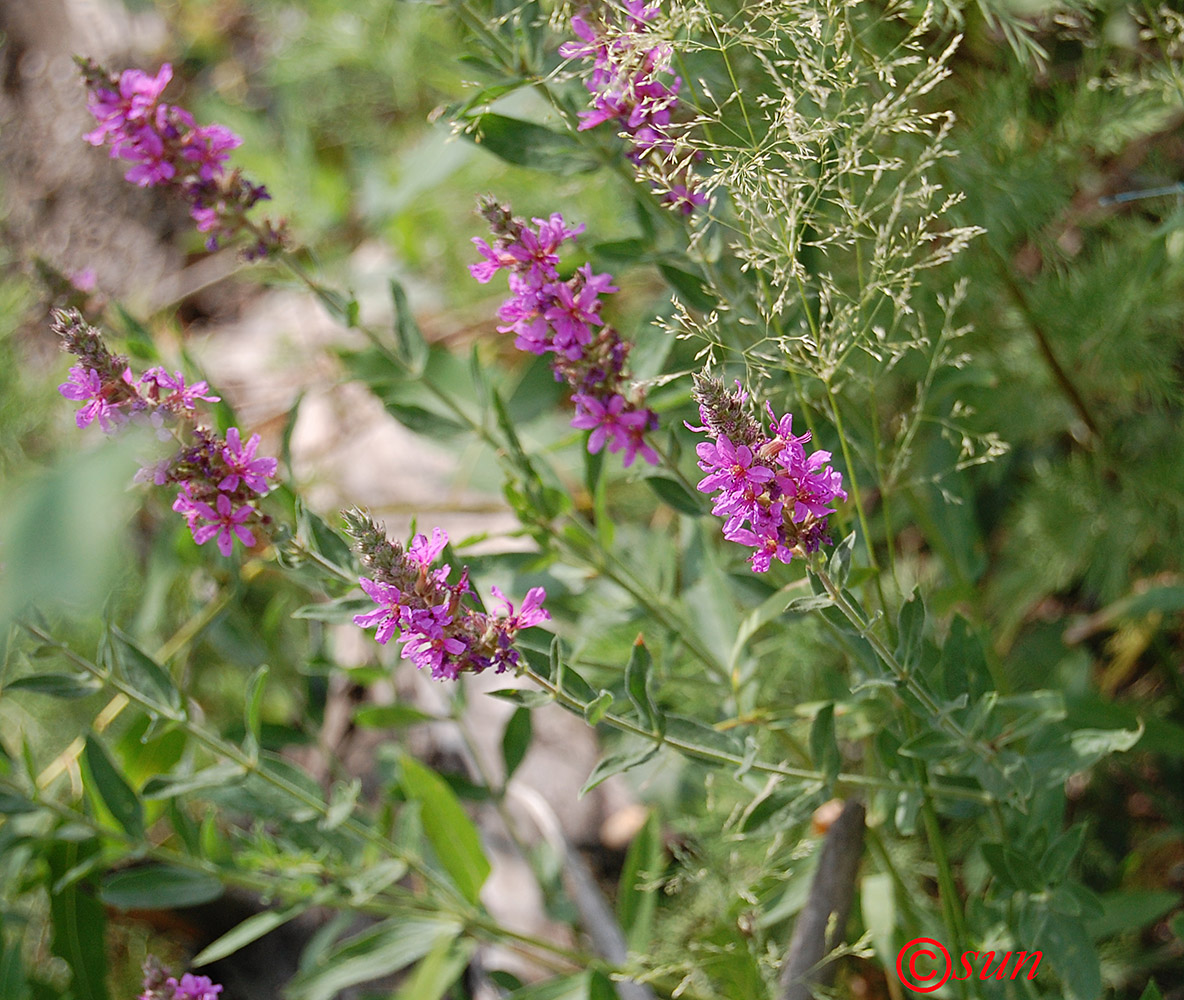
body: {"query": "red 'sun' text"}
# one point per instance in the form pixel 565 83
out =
pixel 940 967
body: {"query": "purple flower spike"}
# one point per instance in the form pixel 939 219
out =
pixel 628 61
pixel 165 147
pixel 549 315
pixel 427 613
pixel 769 483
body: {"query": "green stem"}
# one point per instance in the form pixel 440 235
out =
pixel 723 757
pixel 250 765
pixel 903 675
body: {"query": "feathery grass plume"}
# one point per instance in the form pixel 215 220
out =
pixel 828 153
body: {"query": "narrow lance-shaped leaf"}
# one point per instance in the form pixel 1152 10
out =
pixel 115 793
pixel 448 827
pixel 411 346
pixel 144 673
pixel 79 923
pixel 516 740
pixel 637 684
pixel 824 747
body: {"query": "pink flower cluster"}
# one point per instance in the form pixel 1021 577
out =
pixel 549 314
pixel 219 479
pixel 626 88
pixel 417 606
pixel 766 482
pixel 166 147
pixel 159 985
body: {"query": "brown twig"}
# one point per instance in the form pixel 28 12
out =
pixel 823 921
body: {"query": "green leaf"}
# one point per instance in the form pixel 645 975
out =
pixel 516 740
pixel 165 786
pixel 145 674
pixel 1131 911
pixel 12 805
pixel 839 567
pixel 57 685
pixel 390 716
pixel 824 746
pixel 1013 868
pixel 622 251
pixel 79 923
pixel 13 985
pixel 674 494
pixel 804 605
pixel 637 897
pixel 690 731
pixel 339 611
pixel 596 709
pixel 930 745
pixel 447 826
pixel 1073 955
pixel 637 685
pixel 438 970
pixel 116 793
pixel 1151 992
pixel 253 710
pixel 251 929
pixel 690 288
pixel 423 421
pixel 910 626
pixel 324 540
pixel 158 887
pixel 1091 745
pixel 573 685
pixel 529 145
pixel 616 763
pixel 600 987
pixel 559 988
pixel 1061 852
pixel 411 346
pixel 523 697
pixel 378 951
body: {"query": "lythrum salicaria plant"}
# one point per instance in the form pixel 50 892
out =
pixel 767 620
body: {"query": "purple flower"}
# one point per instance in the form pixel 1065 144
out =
pixel 389 613
pixel 430 645
pixel 423 552
pixel 549 315
pixel 224 522
pixel 637 423
pixel 85 384
pixel 172 392
pixel 532 612
pixel 729 467
pixel 615 423
pixel 209 147
pixel 193 987
pixel 242 464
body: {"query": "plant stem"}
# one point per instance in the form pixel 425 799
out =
pixel 723 757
